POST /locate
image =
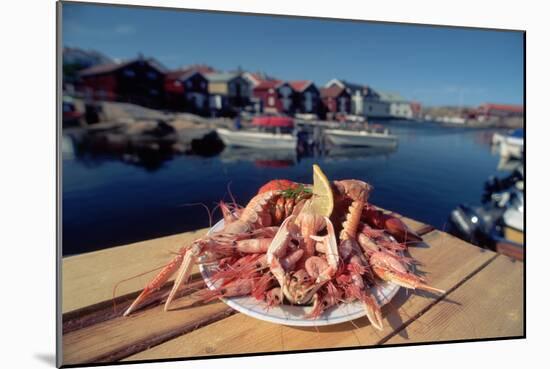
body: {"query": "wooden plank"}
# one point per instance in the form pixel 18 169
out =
pixel 122 336
pixel 489 305
pixel 414 225
pixel 417 226
pixel 90 278
pixel 448 260
pixel 510 249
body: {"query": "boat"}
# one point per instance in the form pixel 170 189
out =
pixel 371 137
pixel 267 132
pixel 507 164
pixel 510 145
pixel 498 223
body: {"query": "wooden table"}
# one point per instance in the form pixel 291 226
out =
pixel 484 299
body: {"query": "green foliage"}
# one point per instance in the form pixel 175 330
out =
pixel 299 192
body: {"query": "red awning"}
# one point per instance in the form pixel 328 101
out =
pixel 267 121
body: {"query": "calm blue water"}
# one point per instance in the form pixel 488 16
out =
pixel 107 202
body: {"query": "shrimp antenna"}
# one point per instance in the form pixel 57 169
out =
pixel 129 279
pixel 204 206
pixel 231 194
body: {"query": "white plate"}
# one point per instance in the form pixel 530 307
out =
pixel 292 314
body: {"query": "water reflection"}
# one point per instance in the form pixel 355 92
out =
pixel 337 153
pixel 132 190
pixel 262 158
pixel 151 153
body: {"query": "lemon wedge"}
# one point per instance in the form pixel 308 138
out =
pixel 322 201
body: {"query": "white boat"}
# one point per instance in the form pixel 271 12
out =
pixel 511 148
pixel 508 164
pixel 67 147
pixel 257 139
pixel 370 138
pixel 511 145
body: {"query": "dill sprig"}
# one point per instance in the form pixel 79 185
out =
pixel 300 191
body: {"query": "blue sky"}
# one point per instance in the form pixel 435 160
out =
pixel 434 65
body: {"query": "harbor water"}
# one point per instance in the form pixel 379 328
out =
pixel 108 202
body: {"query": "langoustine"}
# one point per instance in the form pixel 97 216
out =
pixel 256 218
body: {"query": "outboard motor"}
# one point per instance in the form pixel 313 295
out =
pixel 475 225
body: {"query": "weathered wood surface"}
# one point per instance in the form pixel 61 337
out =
pixel 94 332
pixel 90 278
pixel 515 251
pixel 489 305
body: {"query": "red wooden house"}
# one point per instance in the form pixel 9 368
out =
pixel 416 108
pixel 139 81
pixel 266 93
pixel 336 101
pixel 275 97
pixel 186 90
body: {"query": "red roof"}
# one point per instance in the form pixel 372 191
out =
pixel 502 107
pixel 259 77
pixel 269 121
pixel 332 91
pixel 256 77
pixel 267 84
pixel 299 85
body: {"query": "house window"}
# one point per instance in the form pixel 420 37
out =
pixel 342 104
pixel 203 85
pixel 129 73
pixel 308 101
pixel 199 100
pixel 188 84
pixel 177 83
pixel 216 102
pixel 270 101
pixel 151 75
pixel 153 92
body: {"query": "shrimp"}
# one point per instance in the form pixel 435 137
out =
pixel 297 286
pixel 255 215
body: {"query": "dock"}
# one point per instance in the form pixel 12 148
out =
pixel 484 299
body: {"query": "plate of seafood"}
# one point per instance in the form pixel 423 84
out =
pixel 301 255
pixel 269 309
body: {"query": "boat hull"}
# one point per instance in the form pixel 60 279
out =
pixel 257 140
pixel 511 148
pixel 368 139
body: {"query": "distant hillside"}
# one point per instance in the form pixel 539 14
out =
pixel 75 59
